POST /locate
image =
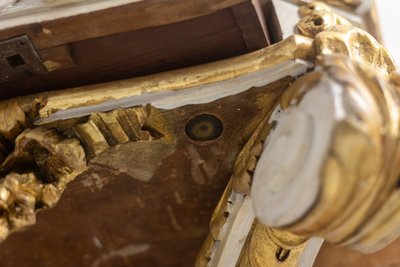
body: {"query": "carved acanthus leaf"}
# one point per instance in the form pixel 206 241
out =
pixel 105 130
pixel 36 165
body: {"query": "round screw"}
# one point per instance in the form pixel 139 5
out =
pixel 204 127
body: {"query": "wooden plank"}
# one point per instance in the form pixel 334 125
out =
pixel 151 50
pixel 250 26
pixel 57 58
pixel 138 15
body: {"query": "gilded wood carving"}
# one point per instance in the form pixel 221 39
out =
pixel 354 74
pixel 36 166
pixel 332 114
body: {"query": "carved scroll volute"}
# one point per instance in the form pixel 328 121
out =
pixel 333 34
pixel 330 168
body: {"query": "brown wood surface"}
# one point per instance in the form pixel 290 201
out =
pixel 250 25
pixel 135 16
pixel 333 256
pixel 124 216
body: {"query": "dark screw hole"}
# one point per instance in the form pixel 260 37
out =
pixel 204 127
pixel 318 21
pixel 282 254
pixel 15 61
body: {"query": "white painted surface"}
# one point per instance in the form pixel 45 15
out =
pixel 389 13
pixel 287 177
pixel 310 252
pixel 234 233
pixel 288 16
pixel 195 95
pixel 4 4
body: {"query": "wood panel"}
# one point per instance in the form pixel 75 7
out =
pixel 333 256
pixel 222 34
pixel 119 217
pixel 138 15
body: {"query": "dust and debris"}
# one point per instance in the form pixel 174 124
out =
pixel 139 202
pixel 217 150
pixel 173 173
pixel 97 243
pixel 93 181
pixel 124 252
pixel 200 170
pixel 178 198
pixel 172 218
pixel 46 31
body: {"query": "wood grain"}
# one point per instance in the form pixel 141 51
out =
pixel 333 256
pixel 112 217
pixel 135 16
pixel 151 45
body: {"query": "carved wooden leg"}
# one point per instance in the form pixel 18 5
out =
pixel 329 167
pixel 324 164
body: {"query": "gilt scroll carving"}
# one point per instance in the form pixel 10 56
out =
pixel 358 175
pixel 353 199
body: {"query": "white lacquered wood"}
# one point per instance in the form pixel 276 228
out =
pixel 287 177
pixel 311 251
pixel 234 233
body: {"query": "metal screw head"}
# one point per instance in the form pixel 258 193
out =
pixel 282 254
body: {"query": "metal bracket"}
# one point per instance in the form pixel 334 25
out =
pixel 19 59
